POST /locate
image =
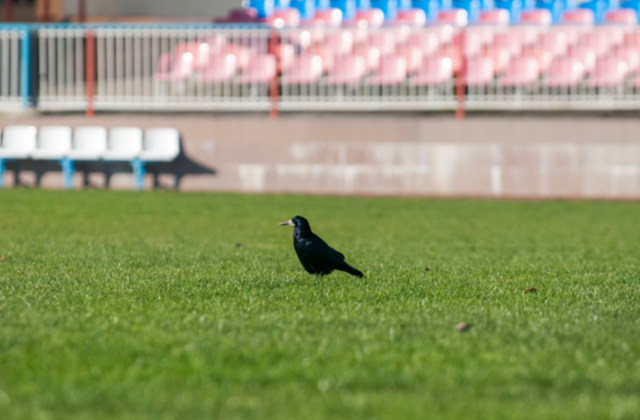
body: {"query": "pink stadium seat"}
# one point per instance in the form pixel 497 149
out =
pixel 413 17
pixel 495 17
pixel 540 17
pixel 435 70
pixel 413 56
pixel 480 71
pixel 348 69
pixel 500 57
pixel 284 54
pixel 341 42
pixel 555 42
pixel 456 17
pixel 579 17
pixel 508 42
pixel 541 56
pixel 371 56
pixel 565 72
pixel 522 71
pixel 328 17
pixel 243 54
pixel 427 41
pixel 609 72
pixel 603 40
pixel 303 37
pixel 261 69
pixel 454 53
pixel 219 69
pixel 584 55
pixel 306 68
pixel 392 71
pixel 370 18
pixel 630 56
pixel 384 40
pixel 326 53
pixel 475 38
pixel 170 70
pixel 621 16
pixel 281 18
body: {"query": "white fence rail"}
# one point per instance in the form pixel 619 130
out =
pixel 10 69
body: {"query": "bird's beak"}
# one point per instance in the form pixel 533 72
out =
pixel 287 223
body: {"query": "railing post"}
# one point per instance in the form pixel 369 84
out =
pixel 273 87
pixel 90 56
pixel 461 81
pixel 25 57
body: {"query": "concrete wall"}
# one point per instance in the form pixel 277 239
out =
pixel 213 8
pixel 505 156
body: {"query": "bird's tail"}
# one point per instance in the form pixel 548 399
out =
pixel 347 268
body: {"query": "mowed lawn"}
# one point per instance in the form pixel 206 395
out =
pixel 117 305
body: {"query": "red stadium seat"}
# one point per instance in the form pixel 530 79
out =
pixel 413 56
pixel 603 40
pixel 610 71
pixel 384 40
pixel 341 42
pixel 243 54
pixel 621 16
pixel 475 38
pixel 554 42
pixel 326 53
pixel 579 17
pixel 284 54
pixel 456 17
pixel 522 71
pixel 392 71
pixel 427 41
pixel 565 72
pixel 541 17
pixel 370 18
pixel 500 57
pixel 495 17
pixel 371 56
pixel 348 69
pixel 261 69
pixel 305 68
pixel 584 55
pixel 540 55
pixel 170 70
pixel 284 18
pixel 629 55
pixel 328 17
pixel 219 69
pixel 413 17
pixel 480 71
pixel 435 70
pixel 454 53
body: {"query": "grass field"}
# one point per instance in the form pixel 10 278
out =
pixel 194 306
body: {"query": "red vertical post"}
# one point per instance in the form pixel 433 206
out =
pixel 82 11
pixel 90 54
pixel 8 11
pixel 461 81
pixel 46 10
pixel 273 87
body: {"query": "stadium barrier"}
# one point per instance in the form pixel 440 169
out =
pixel 257 68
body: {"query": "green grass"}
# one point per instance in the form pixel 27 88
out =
pixel 141 306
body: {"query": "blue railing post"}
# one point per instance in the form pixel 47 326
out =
pixel 1 172
pixel 67 172
pixel 138 174
pixel 25 57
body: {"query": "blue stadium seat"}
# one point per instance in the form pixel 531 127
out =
pixel 631 4
pixel 599 8
pixel 264 7
pixel 323 4
pixel 389 7
pixel 348 8
pixel 473 7
pixel 307 8
pixel 363 4
pixel 556 7
pixel 281 4
pixel 404 5
pixel 514 7
pixel 430 7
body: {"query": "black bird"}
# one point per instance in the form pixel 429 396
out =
pixel 315 255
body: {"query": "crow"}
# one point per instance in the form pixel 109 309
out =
pixel 315 255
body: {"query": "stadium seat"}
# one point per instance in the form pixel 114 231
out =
pixel 429 7
pixel 305 69
pixel 598 8
pixel 265 8
pixel 388 7
pixel 347 70
pixel 602 40
pixel 18 141
pixel 630 56
pixel 160 145
pixel 579 17
pixel 392 71
pixel 340 41
pixel 330 17
pixel 456 17
pixel 475 38
pixel 426 40
pixel 480 71
pixel 243 55
pixel 413 17
pixel 565 72
pixel 306 9
pixel 498 17
pixel 509 42
pixel 513 7
pixel 454 54
pixel 555 42
pixel 285 18
pixel 284 54
pixel 371 56
pixel 413 56
pixel 262 69
pixel 540 17
pixel 124 144
pixel 370 18
pixel 89 144
pixel 522 71
pixel 326 53
pixel 170 70
pixel 220 69
pixel 384 40
pixel 609 72
pixel 347 7
pixel 621 16
pixel 436 70
pixel 472 7
pixel 323 4
pixel 500 57
pixel 584 55
pixel 54 143
pixel 555 8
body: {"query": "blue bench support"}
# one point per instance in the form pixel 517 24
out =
pixel 1 173
pixel 138 174
pixel 68 169
pixel 25 55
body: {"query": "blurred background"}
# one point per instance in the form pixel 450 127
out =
pixel 502 98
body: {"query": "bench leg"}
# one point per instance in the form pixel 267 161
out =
pixel 138 174
pixel 67 173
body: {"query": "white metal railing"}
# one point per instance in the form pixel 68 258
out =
pixel 177 68
pixel 11 97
